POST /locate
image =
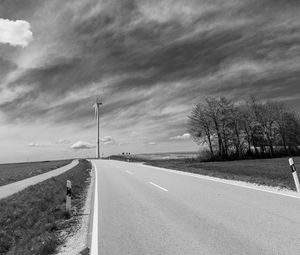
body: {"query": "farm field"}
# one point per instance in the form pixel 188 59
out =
pixel 168 155
pixel 272 172
pixel 18 171
pixel 35 219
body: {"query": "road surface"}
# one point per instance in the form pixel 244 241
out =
pixel 12 188
pixel 145 211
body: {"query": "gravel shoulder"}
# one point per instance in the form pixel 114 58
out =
pixel 78 241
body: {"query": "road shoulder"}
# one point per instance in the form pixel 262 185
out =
pixel 79 242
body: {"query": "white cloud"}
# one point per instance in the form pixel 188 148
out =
pixel 107 140
pixel 15 33
pixel 59 142
pixel 34 145
pixel 152 143
pixel 38 145
pixel 181 137
pixel 81 145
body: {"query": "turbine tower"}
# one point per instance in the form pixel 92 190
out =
pixel 97 107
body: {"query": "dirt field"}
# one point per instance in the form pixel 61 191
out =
pixel 168 155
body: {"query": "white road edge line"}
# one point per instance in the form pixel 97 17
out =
pixel 157 186
pixel 94 244
pixel 128 172
pixel 215 179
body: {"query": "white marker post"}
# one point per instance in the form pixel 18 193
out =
pixel 68 196
pixel 296 179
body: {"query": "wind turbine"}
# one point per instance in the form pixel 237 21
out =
pixel 96 107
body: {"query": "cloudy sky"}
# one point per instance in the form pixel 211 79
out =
pixel 149 60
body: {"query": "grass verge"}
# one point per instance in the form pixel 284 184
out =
pixel 18 171
pixel 32 221
pixel 270 172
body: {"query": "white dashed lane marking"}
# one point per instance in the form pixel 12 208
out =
pixel 157 186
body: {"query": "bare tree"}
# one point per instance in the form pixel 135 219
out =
pixel 200 126
pixel 236 127
pixel 214 113
pixel 228 123
pixel 270 128
pixel 292 131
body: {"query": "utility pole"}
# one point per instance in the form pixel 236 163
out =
pixel 98 103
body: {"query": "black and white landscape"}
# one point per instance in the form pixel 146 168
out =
pixel 149 127
pixel 150 61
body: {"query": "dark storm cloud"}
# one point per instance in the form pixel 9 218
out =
pixel 77 110
pixel 18 9
pixel 55 78
pixel 203 52
pixel 5 67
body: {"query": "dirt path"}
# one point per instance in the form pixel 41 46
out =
pixel 10 189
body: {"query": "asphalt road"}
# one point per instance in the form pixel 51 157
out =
pixel 144 211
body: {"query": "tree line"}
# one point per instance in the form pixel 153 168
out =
pixel 252 129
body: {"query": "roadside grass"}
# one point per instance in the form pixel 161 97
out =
pixel 18 171
pixel 271 172
pixel 33 221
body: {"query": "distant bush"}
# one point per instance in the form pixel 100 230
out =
pixel 204 155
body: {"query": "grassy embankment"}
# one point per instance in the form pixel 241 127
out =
pixel 18 171
pixel 271 172
pixel 33 220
